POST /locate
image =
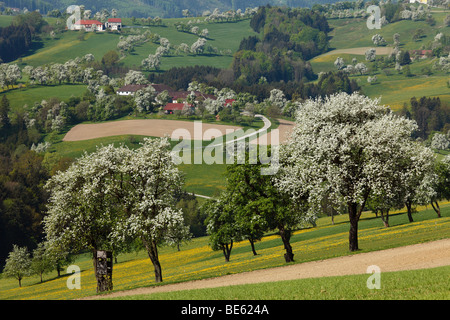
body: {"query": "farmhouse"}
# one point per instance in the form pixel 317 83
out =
pixel 114 24
pixel 420 53
pixel 172 107
pixel 130 89
pixel 178 96
pixel 161 88
pixel 88 25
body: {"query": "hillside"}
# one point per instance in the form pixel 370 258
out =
pixel 162 8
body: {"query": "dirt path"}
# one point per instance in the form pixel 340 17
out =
pixel 420 256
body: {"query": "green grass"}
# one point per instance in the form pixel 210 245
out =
pixel 18 98
pixel 197 261
pixel 5 20
pixel 394 89
pixel 201 179
pixel 353 33
pixel 67 45
pixel 424 284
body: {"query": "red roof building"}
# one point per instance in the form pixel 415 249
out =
pixel 114 24
pixel 88 25
pixel 171 107
pixel 130 89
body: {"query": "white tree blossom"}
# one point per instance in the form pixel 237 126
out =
pixel 440 142
pixel 339 63
pixel 153 61
pixel 371 54
pixel 347 147
pixel 115 194
pixel 378 40
pixel 198 46
pixel 135 77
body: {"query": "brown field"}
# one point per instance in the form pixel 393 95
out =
pixel 150 128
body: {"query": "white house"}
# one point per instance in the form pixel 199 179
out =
pixel 114 24
pixel 419 1
pixel 130 89
pixel 88 25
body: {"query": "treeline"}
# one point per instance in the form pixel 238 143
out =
pixel 22 175
pixel 17 38
pixel 329 83
pixel 431 115
pixel 31 5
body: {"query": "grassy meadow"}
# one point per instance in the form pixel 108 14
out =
pixel 68 45
pixel 196 260
pixel 423 284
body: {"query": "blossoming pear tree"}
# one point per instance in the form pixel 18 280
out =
pixel 349 147
pixel 116 194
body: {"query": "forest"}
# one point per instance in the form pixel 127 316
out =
pixel 17 38
pixel 289 37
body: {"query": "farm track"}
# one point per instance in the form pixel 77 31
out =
pixel 420 256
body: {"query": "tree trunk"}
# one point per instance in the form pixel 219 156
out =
pixel 252 243
pixel 285 237
pixel 227 251
pixel 384 218
pixel 353 234
pixel 152 251
pixel 436 208
pixel 409 207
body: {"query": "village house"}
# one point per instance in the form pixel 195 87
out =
pixel 421 54
pixel 114 24
pixel 130 89
pixel 88 25
pixel 170 108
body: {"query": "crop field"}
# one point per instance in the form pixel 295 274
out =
pixel 196 260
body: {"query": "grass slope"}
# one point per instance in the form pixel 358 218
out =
pixel 197 261
pixel 424 284
pixel 394 89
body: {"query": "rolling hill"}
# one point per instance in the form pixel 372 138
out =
pixel 162 8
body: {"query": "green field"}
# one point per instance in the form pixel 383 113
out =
pixel 67 45
pixel 424 284
pixel 197 261
pixel 394 89
pixel 18 98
